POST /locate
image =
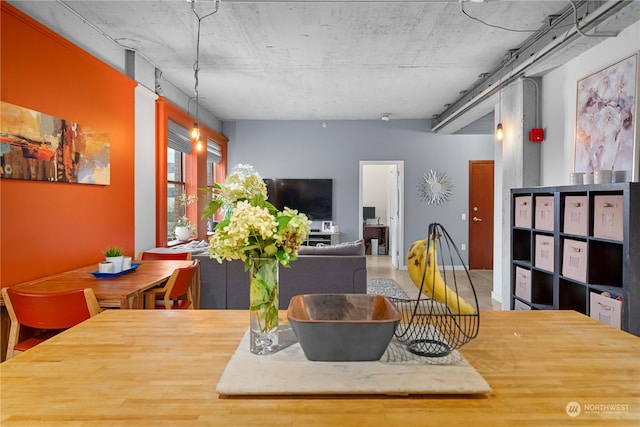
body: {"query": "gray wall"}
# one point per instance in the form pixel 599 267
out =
pixel 306 149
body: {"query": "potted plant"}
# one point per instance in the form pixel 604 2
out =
pixel 105 267
pixel 184 229
pixel 115 256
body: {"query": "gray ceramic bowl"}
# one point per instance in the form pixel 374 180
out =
pixel 343 327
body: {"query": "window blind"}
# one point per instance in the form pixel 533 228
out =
pixel 214 153
pixel 179 138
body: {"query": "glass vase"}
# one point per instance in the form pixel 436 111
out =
pixel 263 305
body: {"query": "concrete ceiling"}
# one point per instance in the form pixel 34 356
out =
pixel 319 60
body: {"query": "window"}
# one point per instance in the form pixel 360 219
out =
pixel 214 156
pixel 175 187
pixel 179 146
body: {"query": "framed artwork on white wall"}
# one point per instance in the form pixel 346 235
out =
pixel 606 125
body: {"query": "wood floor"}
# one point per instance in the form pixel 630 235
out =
pixel 380 266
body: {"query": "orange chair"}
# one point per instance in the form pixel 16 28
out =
pixel 177 293
pixel 165 255
pixel 48 313
pixel 149 296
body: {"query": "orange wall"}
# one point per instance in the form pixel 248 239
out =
pixel 47 228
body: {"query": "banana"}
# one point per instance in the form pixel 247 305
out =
pixel 434 286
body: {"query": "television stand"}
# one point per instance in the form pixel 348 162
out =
pixel 322 237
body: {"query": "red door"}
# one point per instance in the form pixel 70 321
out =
pixel 481 214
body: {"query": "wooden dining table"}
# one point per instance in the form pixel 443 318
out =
pixel 116 291
pixel 145 367
pixel 112 291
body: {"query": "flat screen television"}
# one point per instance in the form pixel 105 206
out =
pixel 313 197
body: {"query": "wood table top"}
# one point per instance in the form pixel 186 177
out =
pixel 110 292
pixel 145 367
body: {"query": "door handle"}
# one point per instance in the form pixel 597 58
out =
pixel 476 219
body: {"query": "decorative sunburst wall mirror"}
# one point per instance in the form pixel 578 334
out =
pixel 435 188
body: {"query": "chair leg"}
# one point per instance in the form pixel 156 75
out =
pixel 190 298
pixel 14 328
pixel 14 333
pixel 196 289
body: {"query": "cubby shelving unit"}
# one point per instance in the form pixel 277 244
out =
pixel 561 259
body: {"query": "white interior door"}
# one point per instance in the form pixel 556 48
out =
pixel 395 202
pixel 394 214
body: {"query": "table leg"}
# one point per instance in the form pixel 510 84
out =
pixel 150 300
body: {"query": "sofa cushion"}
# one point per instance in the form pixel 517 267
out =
pixel 346 248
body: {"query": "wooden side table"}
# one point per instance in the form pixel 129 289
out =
pixel 380 232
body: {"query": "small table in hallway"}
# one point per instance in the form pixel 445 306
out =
pixel 379 232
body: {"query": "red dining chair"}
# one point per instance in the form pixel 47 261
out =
pixel 177 292
pixel 47 313
pixel 149 295
pixel 165 255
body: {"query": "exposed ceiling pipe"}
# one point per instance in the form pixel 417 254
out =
pixel 518 63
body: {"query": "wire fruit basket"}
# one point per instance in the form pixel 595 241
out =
pixel 440 320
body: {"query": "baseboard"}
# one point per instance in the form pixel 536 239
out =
pixel 455 267
pixel 497 297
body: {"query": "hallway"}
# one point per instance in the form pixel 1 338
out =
pixel 380 267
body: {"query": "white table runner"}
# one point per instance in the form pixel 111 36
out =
pixel 398 372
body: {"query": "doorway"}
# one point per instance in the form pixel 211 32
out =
pixel 388 177
pixel 481 214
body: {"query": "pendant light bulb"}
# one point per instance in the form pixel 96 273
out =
pixel 499 132
pixel 198 145
pixel 195 132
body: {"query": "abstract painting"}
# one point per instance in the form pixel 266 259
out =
pixel 39 147
pixel 605 119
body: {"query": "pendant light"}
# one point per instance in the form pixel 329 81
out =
pixel 499 129
pixel 195 131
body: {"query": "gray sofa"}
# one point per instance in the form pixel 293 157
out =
pixel 327 269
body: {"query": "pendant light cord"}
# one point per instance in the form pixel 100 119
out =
pixel 196 65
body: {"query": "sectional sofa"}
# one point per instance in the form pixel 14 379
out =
pixel 338 268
